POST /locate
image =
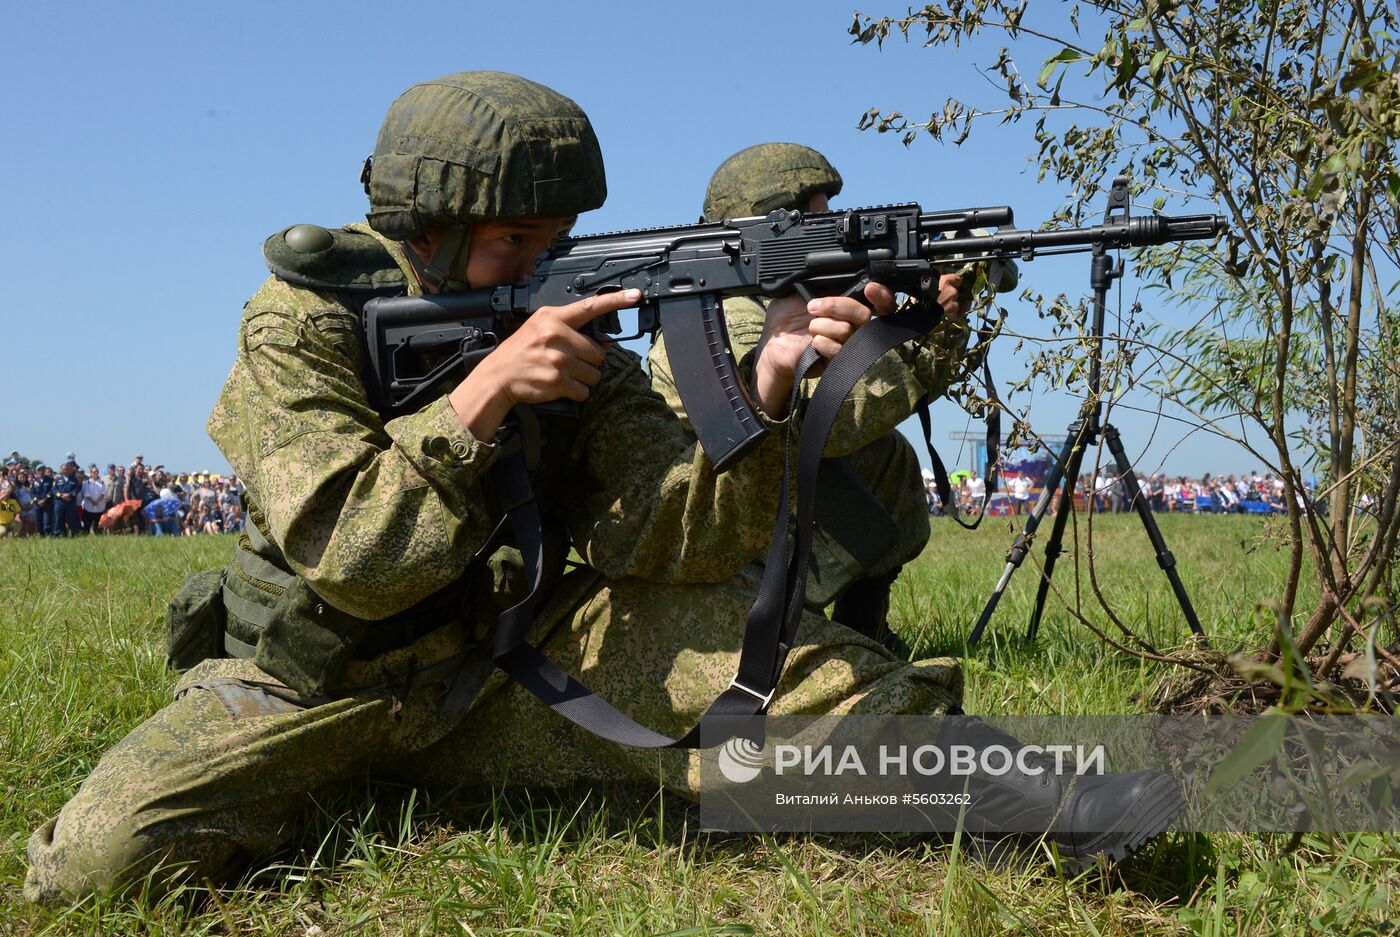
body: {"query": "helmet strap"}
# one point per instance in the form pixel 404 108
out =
pixel 450 255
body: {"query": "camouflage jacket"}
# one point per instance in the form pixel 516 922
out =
pixel 377 515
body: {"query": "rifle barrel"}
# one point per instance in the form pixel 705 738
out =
pixel 1130 232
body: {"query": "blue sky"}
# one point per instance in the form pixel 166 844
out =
pixel 149 148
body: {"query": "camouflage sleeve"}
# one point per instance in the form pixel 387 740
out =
pixel 374 515
pixel 649 503
pixel 880 401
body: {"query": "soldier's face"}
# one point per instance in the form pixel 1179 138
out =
pixel 505 251
pixel 502 251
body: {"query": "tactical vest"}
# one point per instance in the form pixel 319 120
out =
pixel 258 608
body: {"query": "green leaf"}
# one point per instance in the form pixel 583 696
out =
pixel 1363 75
pixel 1259 744
pixel 1155 65
pixel 1064 55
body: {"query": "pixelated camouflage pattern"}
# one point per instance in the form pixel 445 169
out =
pixel 768 176
pixel 477 145
pixel 227 771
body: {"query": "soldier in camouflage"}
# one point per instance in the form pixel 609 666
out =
pixel 355 611
pixel 872 513
pixel 346 639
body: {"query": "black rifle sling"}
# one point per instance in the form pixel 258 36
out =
pixel 777 611
pixel 940 473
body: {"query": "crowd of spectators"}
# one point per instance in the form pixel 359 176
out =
pixel 1221 494
pixel 38 501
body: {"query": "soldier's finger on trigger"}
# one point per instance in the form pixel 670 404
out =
pixel 586 310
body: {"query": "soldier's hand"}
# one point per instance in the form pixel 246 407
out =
pixel 547 358
pixel 951 297
pixel 826 323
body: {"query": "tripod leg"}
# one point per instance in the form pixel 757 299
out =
pixel 1017 554
pixel 1149 521
pixel 1054 545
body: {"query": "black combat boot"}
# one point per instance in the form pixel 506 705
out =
pixel 865 607
pixel 1090 817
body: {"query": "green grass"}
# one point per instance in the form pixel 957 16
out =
pixel 81 663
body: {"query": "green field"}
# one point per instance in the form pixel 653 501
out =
pixel 81 662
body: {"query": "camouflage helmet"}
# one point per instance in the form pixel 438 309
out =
pixel 768 176
pixel 478 145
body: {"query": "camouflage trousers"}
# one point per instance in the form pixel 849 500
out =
pixel 225 772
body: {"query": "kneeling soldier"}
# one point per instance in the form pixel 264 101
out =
pixel 352 629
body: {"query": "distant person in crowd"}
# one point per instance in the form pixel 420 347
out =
pixel 1158 495
pixel 94 499
pixel 7 492
pixel 43 500
pixel 138 485
pixel 193 521
pixel 1019 489
pixel 976 493
pixel 1225 494
pixel 138 460
pixel 1117 495
pixel 163 514
pixel 138 488
pixel 181 487
pixel 24 496
pixel 206 490
pixel 113 488
pixel 66 492
pixel 1103 487
pixel 226 499
pixel 233 518
pixel 10 525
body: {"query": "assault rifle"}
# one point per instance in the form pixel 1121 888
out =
pixel 683 272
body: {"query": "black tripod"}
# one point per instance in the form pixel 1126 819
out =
pixel 1081 434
